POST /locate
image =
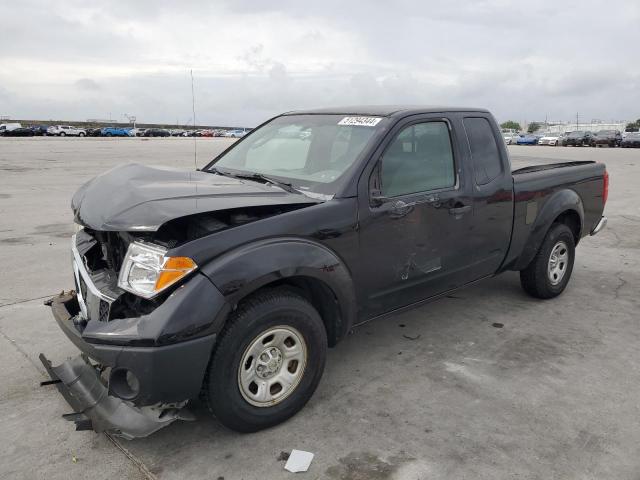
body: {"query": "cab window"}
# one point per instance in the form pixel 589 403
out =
pixel 487 164
pixel 419 159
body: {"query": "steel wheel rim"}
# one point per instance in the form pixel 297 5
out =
pixel 272 366
pixel 558 263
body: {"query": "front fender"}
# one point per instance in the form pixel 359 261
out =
pixel 560 202
pixel 244 270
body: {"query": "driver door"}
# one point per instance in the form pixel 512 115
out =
pixel 416 219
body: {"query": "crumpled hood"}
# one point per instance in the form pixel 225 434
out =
pixel 135 197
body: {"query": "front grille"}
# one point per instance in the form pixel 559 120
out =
pixel 103 314
pixel 108 251
pixel 114 249
pixel 98 258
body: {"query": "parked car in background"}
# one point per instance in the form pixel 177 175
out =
pixel 39 130
pixel 176 132
pixel 610 138
pixel 237 133
pixel 94 132
pixel 550 139
pixel 156 132
pixel 562 137
pixel 136 132
pixel 632 140
pixel 66 131
pixel 578 138
pixel 510 138
pixel 6 127
pixel 115 132
pixel 18 132
pixel 527 139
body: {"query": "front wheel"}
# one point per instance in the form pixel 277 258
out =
pixel 81 134
pixel 550 270
pixel 268 361
pixel 63 134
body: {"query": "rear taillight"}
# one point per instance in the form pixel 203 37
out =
pixel 605 188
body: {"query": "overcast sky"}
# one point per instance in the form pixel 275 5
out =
pixel 252 59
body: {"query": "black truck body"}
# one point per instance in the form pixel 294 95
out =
pixel 354 249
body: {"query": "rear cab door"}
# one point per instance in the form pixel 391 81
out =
pixel 492 191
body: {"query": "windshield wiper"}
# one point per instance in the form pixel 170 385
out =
pixel 288 187
pixel 218 172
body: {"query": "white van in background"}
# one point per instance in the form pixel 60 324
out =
pixel 7 127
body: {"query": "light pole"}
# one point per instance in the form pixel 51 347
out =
pixel 131 118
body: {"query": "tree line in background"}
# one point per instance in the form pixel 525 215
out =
pixel 534 126
pixel 634 125
pixel 511 125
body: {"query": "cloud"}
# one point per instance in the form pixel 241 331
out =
pixel 87 84
pixel 253 59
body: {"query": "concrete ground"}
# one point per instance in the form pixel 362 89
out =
pixel 436 393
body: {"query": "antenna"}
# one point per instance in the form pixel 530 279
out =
pixel 193 108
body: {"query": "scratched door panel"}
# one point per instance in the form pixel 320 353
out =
pixel 413 244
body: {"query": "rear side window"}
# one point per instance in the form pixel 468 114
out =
pixel 484 150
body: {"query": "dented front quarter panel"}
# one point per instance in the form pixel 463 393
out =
pixel 311 242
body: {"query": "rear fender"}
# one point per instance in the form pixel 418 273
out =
pixel 246 269
pixel 560 202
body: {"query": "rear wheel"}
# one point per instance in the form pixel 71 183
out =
pixel 81 134
pixel 62 134
pixel 550 270
pixel 268 361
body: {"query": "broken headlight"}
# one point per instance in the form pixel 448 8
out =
pixel 147 271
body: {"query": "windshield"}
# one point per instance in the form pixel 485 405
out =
pixel 576 134
pixel 312 152
pixel 605 132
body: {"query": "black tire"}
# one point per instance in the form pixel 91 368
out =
pixel 535 278
pixel 254 316
pixel 63 134
pixel 81 134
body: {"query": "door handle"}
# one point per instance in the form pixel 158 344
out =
pixel 460 210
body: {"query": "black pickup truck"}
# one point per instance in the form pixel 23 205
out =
pixel 230 282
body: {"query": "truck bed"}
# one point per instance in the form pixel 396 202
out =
pixel 548 166
pixel 534 186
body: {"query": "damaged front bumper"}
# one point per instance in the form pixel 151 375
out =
pixel 97 383
pixel 80 384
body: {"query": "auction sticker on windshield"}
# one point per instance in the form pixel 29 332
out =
pixel 360 121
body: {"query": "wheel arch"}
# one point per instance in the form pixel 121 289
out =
pixel 564 206
pixel 310 268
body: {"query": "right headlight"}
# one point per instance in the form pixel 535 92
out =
pixel 146 270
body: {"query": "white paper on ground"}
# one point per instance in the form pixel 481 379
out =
pixel 298 461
